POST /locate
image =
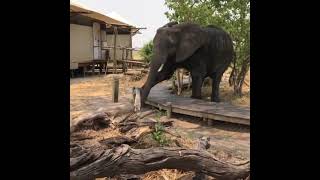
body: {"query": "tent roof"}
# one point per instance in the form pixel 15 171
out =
pixel 118 17
pixel 77 8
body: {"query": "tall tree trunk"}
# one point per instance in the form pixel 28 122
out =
pixel 237 76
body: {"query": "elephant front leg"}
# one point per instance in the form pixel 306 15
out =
pixel 196 87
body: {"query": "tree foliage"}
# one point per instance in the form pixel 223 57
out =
pixel 147 51
pixel 231 15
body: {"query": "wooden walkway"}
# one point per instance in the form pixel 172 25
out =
pixel 160 97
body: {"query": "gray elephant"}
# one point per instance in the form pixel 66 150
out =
pixel 204 51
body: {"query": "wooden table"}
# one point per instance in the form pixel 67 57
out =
pixel 133 62
pixel 101 62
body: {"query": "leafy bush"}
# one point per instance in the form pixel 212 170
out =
pixel 147 51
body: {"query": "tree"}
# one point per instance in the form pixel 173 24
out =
pixel 146 51
pixel 232 15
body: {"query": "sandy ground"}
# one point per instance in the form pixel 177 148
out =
pixel 91 93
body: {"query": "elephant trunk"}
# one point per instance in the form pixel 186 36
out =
pixel 155 75
pixel 151 81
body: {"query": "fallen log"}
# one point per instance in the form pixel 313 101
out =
pixel 103 118
pixel 91 121
pixel 79 137
pixel 126 160
pixel 101 161
pixel 145 113
pixel 117 141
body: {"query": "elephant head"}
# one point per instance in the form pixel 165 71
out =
pixel 173 44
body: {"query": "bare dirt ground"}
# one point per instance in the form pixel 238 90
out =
pixel 91 93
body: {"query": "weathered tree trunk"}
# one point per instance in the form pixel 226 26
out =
pixel 125 160
pixel 240 78
pixel 92 121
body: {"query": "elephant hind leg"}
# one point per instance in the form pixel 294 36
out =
pixel 216 79
pixel 196 86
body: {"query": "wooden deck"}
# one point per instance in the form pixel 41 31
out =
pixel 160 97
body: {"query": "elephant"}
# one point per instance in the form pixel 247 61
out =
pixel 203 51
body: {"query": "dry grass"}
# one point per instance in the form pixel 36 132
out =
pixel 165 174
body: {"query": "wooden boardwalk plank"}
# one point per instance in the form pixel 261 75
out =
pixel 160 95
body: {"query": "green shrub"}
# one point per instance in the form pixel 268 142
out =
pixel 158 134
pixel 147 51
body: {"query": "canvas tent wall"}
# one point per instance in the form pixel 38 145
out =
pixel 81 34
pixel 81 44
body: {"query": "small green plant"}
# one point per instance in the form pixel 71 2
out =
pixel 158 134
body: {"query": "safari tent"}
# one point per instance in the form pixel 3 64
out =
pixel 95 36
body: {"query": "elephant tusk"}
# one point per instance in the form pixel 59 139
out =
pixel 160 69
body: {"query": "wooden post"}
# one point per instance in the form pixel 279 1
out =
pixel 115 89
pixel 130 45
pixel 84 70
pixel 107 59
pixel 127 53
pixel 123 70
pixel 169 110
pixel 105 68
pixel 72 73
pixel 115 33
pixel 93 67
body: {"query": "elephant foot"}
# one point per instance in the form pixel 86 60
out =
pixel 215 99
pixel 196 97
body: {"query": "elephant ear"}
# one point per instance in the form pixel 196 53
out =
pixel 189 42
